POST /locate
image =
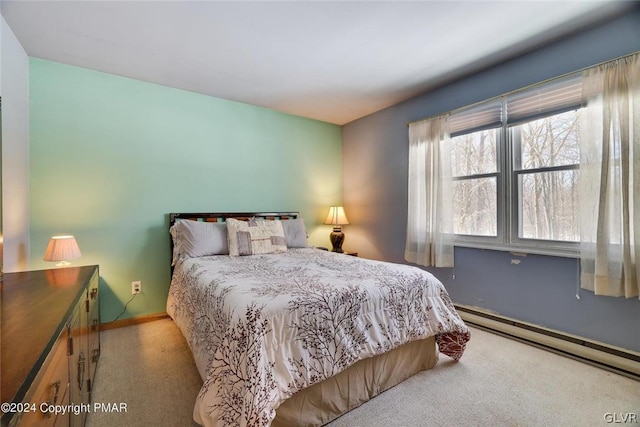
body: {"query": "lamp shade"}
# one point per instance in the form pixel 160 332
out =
pixel 336 216
pixel 62 248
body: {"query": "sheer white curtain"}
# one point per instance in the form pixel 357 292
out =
pixel 429 218
pixel 609 173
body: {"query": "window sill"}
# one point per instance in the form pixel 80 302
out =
pixel 521 249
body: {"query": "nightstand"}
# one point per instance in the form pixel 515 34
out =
pixel 343 253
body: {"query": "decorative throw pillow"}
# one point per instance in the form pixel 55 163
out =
pixel 255 237
pixel 295 233
pixel 192 239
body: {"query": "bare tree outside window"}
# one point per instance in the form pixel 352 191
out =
pixel 474 165
pixel 475 210
pixel 547 177
pixel 546 155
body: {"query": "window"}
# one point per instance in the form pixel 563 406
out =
pixel 515 165
pixel 474 163
pixel 546 156
pixel 509 174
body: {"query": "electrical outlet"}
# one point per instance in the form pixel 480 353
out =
pixel 136 287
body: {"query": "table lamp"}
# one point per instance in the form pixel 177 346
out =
pixel 337 218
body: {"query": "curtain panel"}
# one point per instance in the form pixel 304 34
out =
pixel 609 173
pixel 430 215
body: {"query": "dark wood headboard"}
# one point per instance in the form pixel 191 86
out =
pixel 222 216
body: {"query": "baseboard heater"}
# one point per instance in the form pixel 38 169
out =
pixel 619 360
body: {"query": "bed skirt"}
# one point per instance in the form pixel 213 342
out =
pixel 327 400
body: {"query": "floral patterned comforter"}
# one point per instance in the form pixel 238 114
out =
pixel 265 326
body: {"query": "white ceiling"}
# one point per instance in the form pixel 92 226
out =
pixel 334 61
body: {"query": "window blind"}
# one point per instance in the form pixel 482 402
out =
pixel 541 100
pixel 545 99
pixel 482 116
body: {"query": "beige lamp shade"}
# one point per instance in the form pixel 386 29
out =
pixel 336 216
pixel 62 249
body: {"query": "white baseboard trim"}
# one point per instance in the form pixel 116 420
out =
pixel 609 357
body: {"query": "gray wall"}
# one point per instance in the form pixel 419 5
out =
pixel 541 289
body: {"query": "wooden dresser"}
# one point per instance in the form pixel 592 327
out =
pixel 50 345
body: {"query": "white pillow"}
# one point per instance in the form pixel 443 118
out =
pixel 192 239
pixel 255 237
pixel 295 232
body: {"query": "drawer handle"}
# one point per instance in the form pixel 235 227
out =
pixel 94 293
pixel 95 356
pixel 55 389
pixel 94 326
pixel 80 370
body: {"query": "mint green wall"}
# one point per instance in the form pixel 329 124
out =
pixel 111 156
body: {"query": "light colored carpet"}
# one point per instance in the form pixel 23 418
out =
pixel 498 382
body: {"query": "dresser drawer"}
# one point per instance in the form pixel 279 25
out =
pixel 49 388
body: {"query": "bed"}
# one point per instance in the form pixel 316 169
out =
pixel 284 334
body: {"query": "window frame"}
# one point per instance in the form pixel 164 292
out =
pixel 554 247
pixel 480 240
pixel 509 215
